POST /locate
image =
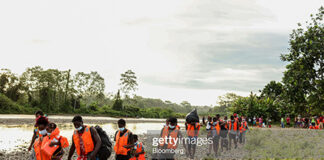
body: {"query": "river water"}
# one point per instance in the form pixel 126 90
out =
pixel 18 136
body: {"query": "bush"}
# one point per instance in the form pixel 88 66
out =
pixel 9 106
pixel 93 107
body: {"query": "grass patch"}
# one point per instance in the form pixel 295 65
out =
pixel 284 143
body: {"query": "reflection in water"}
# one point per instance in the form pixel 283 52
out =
pixel 14 137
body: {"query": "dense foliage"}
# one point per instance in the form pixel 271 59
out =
pixel 55 91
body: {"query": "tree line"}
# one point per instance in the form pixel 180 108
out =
pixel 59 91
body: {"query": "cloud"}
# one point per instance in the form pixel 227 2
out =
pixel 235 61
pixel 180 50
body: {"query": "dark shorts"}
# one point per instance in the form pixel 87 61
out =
pixel 216 139
pixel 122 157
pixel 193 140
pixel 232 136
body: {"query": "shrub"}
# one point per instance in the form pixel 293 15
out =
pixel 9 106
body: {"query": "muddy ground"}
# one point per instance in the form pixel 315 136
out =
pixel 260 143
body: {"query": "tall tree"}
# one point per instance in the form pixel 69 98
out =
pixel 272 90
pixel 304 79
pixel 10 85
pixel 89 86
pixel 118 104
pixel 128 82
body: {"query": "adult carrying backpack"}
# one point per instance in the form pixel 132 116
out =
pixel 192 116
pixel 106 145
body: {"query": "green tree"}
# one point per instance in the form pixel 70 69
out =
pixel 128 82
pixel 10 85
pixel 273 90
pixel 89 87
pixel 227 99
pixel 186 105
pixel 118 104
pixel 304 78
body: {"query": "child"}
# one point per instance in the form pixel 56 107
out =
pixel 137 150
pixel 53 143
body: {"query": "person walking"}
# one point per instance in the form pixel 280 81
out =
pixel 85 140
pixel 123 139
pixel 321 122
pixel 193 129
pixel 168 146
pixel 209 133
pixel 233 129
pixel 288 121
pixel 282 123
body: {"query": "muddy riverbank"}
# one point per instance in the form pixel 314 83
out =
pixel 16 119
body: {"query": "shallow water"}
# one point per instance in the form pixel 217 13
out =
pixel 18 137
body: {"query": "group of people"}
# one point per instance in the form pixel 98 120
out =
pixel 48 144
pixel 221 132
pixel 225 131
pixel 314 122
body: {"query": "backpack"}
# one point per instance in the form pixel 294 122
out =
pixel 106 145
pixel 192 116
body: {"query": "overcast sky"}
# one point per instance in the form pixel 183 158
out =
pixel 194 50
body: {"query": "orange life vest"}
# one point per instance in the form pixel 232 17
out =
pixel 216 127
pixel 139 148
pixel 37 147
pixel 120 143
pixel 174 137
pixel 243 127
pixel 54 137
pixel 87 141
pixel 170 137
pixel 164 135
pixel 191 129
pixel 226 124
pixel 230 125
